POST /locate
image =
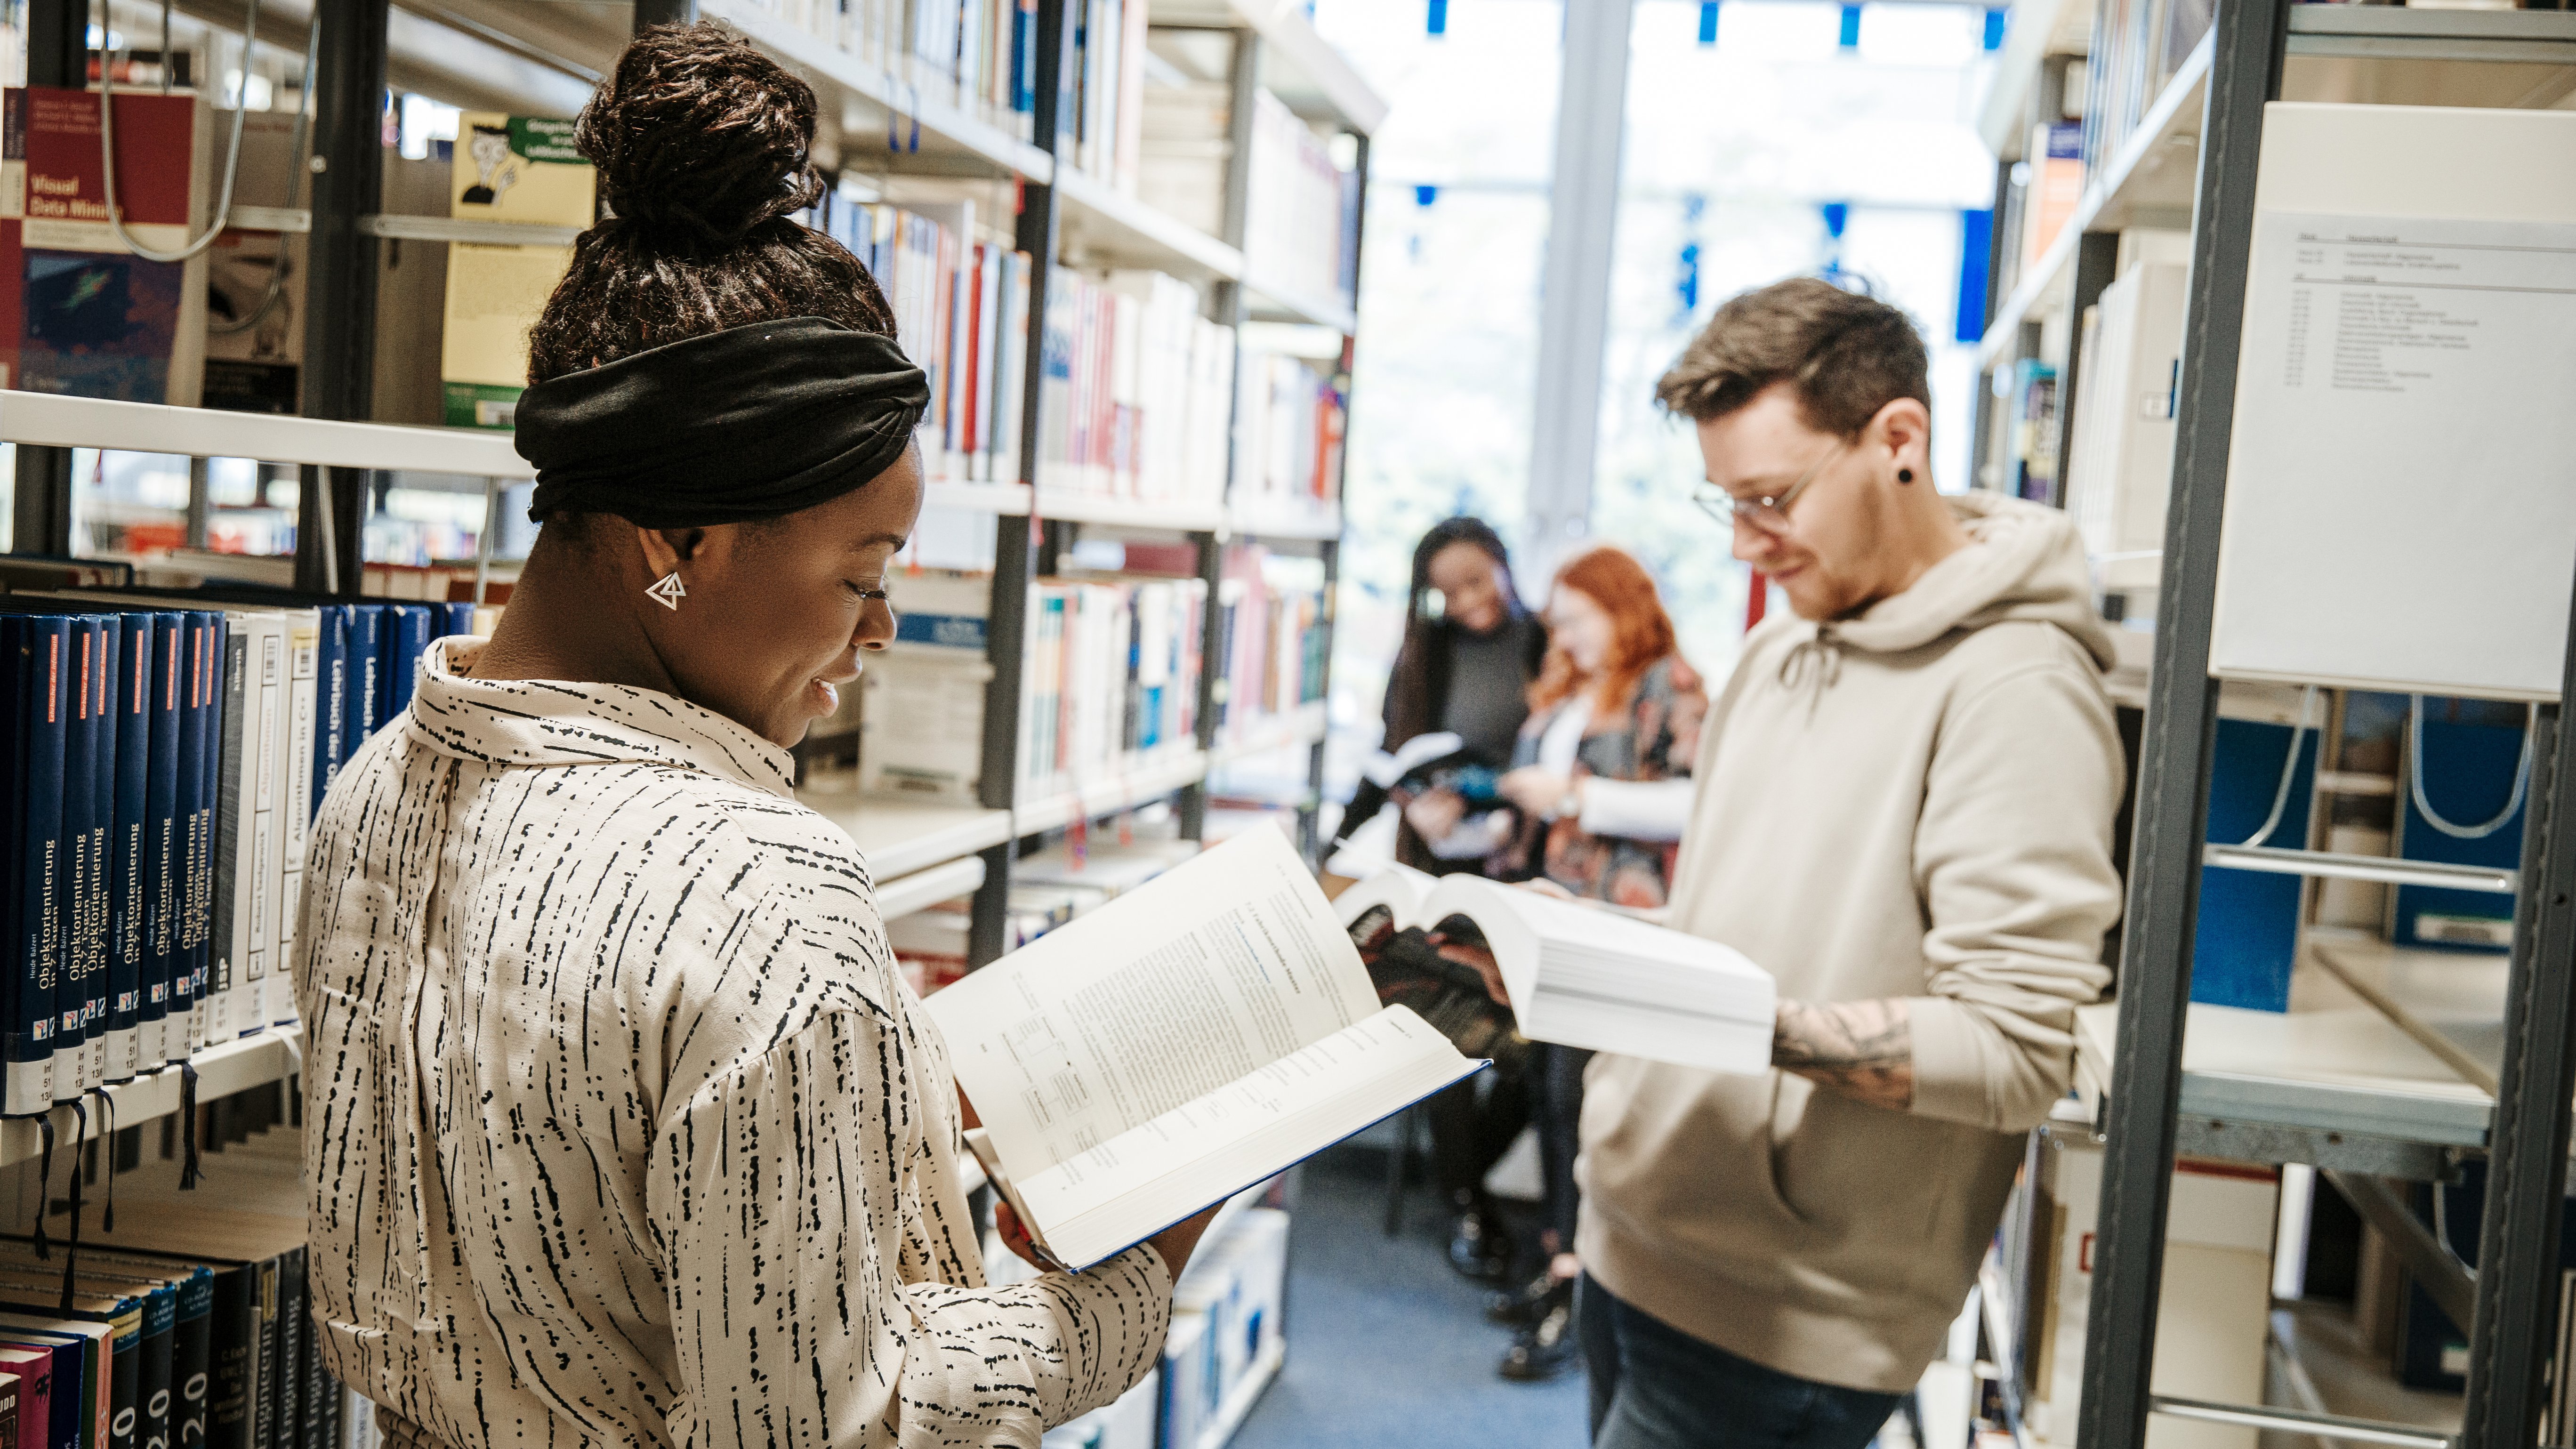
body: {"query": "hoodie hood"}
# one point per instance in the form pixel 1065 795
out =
pixel 2026 561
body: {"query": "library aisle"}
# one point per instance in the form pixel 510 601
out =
pixel 1385 1343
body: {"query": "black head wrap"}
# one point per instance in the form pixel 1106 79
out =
pixel 728 427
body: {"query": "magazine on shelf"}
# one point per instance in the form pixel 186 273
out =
pixel 1190 1038
pixel 1582 976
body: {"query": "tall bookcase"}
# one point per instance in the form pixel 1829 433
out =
pixel 883 126
pixel 506 54
pixel 2364 1081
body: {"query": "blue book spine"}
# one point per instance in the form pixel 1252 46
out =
pixel 84 832
pixel 456 619
pixel 165 852
pixel 13 830
pixel 44 724
pixel 366 675
pixel 201 746
pixel 406 638
pixel 331 685
pixel 128 915
pixel 109 631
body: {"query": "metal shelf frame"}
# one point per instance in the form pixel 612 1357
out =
pixel 2516 1288
pixel 366 43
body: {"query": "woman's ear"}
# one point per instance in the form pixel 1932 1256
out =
pixel 665 549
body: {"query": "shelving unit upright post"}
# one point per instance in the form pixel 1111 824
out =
pixel 340 283
pixel 2516 1288
pixel 41 519
pixel 1016 537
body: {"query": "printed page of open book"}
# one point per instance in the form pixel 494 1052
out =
pixel 1220 967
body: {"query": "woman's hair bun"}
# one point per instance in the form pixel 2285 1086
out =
pixel 699 138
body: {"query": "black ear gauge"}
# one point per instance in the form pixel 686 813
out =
pixel 1904 475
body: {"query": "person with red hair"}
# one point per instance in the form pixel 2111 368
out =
pixel 1601 783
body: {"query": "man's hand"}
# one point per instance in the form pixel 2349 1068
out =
pixel 1862 1049
pixel 1478 957
pixel 1434 813
pixel 1538 791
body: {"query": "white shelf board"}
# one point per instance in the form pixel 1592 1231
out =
pixel 1274 518
pixel 1007 499
pixel 1286 304
pixel 223 1069
pixel 1112 793
pixel 2115 199
pixel 1101 217
pixel 925 888
pixel 947 132
pixel 1302 726
pixel 1302 69
pixel 1128 513
pixel 2330 1063
pixel 2545 37
pixel 897 836
pixel 87 422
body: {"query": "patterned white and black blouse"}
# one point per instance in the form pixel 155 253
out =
pixel 621 1126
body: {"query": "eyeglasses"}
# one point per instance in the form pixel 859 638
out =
pixel 1771 515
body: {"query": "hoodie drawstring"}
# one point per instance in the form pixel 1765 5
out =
pixel 1817 660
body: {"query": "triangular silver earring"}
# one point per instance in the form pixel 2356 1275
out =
pixel 668 591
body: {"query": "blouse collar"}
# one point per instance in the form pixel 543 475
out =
pixel 562 722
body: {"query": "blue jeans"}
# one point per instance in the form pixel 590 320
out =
pixel 1656 1387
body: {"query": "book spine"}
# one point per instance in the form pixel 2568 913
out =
pixel 286 1393
pixel 330 698
pixel 267 762
pixel 82 831
pixel 125 1378
pixel 164 841
pixel 192 1361
pixel 200 733
pixel 263 1408
pixel 236 800
pixel 367 667
pixel 96 993
pixel 153 1367
pixel 9 1395
pixel 295 807
pixel 129 913
pixel 234 1339
pixel 42 734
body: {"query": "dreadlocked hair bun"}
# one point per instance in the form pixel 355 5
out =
pixel 703 146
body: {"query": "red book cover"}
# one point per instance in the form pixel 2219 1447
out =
pixel 80 313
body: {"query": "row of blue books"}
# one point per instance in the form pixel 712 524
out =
pixel 162 753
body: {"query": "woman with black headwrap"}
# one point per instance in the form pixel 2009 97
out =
pixel 620 1124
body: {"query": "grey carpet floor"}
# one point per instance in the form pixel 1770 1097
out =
pixel 1387 1346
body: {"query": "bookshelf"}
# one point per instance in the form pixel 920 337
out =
pixel 891 142
pixel 2389 1063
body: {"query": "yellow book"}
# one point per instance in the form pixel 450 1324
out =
pixel 520 169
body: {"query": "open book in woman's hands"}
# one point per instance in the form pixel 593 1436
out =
pixel 1585 977
pixel 1188 1039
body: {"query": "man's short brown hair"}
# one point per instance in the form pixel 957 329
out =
pixel 1845 355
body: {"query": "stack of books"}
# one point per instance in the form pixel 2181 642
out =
pixel 1112 678
pixel 961 308
pixel 1136 397
pixel 162 755
pixel 1271 622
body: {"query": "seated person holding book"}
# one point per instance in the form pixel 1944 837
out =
pixel 1600 777
pixel 624 1128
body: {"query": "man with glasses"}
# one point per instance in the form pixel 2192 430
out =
pixel 1904 809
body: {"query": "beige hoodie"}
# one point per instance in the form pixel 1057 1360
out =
pixel 1914 803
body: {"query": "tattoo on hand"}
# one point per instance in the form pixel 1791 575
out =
pixel 1862 1049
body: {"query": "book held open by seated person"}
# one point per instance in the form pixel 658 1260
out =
pixel 1578 976
pixel 1190 1038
